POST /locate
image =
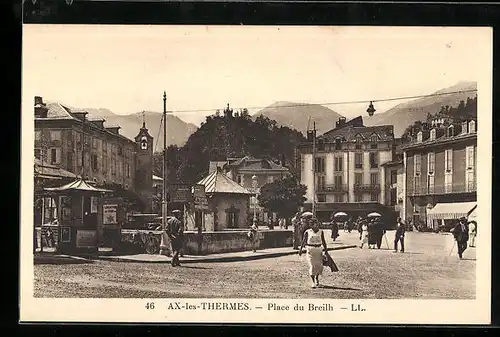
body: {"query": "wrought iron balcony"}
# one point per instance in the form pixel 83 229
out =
pixel 366 187
pixel 335 188
pixel 470 187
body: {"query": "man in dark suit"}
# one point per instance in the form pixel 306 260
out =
pixel 175 231
pixel 461 234
pixel 399 236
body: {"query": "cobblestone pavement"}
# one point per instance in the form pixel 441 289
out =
pixel 425 270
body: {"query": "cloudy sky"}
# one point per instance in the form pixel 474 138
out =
pixel 127 68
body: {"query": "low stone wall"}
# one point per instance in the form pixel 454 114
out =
pixel 225 241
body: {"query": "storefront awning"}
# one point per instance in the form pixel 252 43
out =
pixel 451 210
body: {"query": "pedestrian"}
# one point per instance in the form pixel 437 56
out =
pixel 314 241
pixel 461 235
pixel 379 232
pixel 363 233
pixel 372 234
pixel 296 225
pixel 175 233
pixel 472 233
pixel 399 236
pixel 253 235
pixel 335 229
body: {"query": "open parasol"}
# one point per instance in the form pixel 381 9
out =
pixel 306 214
pixel 339 214
pixel 373 215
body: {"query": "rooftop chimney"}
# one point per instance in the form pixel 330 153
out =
pixel 40 108
pixel 113 129
pixel 340 122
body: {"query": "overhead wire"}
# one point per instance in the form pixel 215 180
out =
pixel 400 98
pixel 158 135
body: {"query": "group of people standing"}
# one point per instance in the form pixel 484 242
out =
pixel 371 231
pixel 464 232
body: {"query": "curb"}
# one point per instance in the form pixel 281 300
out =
pixel 60 259
pixel 220 258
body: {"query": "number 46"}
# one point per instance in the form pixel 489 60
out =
pixel 150 305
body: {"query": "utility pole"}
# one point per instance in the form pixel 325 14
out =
pixel 314 169
pixel 163 245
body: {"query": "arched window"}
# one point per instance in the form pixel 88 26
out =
pixel 373 142
pixel 451 131
pixel 432 135
pixel 358 141
pixel 144 143
pixel 419 136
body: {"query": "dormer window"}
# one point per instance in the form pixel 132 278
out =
pixel 432 135
pixel 419 137
pixel 144 143
pixel 338 143
pixel 358 141
pixel 464 127
pixel 373 142
pixel 472 126
pixel 451 131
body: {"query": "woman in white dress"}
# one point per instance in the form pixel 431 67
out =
pixel 364 234
pixel 314 241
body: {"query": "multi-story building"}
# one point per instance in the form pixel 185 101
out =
pixel 252 174
pixel 66 138
pixel 348 165
pixel 440 165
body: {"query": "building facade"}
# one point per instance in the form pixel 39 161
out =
pixel 252 174
pixel 348 167
pixel 68 139
pixel 394 177
pixel 440 165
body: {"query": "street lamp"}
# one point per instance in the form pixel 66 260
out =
pixel 254 185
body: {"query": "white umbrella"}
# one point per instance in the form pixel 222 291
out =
pixel 340 214
pixel 373 215
pixel 307 214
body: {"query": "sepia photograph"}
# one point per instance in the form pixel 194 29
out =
pixel 281 173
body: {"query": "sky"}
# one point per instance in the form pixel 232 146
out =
pixel 127 68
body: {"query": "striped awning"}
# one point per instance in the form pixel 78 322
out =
pixel 452 210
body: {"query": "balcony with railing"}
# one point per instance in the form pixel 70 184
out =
pixel 334 188
pixel 366 187
pixel 470 187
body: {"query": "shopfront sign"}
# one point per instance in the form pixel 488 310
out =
pixel 109 214
pixel 86 238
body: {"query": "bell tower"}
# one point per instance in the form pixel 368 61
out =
pixel 144 164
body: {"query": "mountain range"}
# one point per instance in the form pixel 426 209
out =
pixel 294 115
pixel 406 113
pixel 178 131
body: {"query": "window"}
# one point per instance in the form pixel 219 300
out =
pixel 105 164
pixel 320 183
pixel 471 184
pixel 144 143
pixel 270 179
pixel 394 176
pixel 238 179
pixel 430 184
pixel 120 150
pixel 232 218
pixel 94 143
pixel 374 197
pixel 319 165
pixel 38 154
pixel 464 127
pixel 113 166
pixel 472 126
pixel 358 160
pixel 358 197
pixel 38 135
pixel 394 196
pixel 373 159
pixel 358 145
pixel 358 179
pixel 451 131
pixel 374 178
pixel 55 156
pixel 321 145
pixel 432 135
pixel 416 185
pixel 431 163
pixel 55 135
pixel 470 157
pixel 128 169
pixel 417 163
pixel 338 144
pixel 338 198
pixel 374 142
pixel 93 161
pixel 104 146
pixel 321 198
pixel 419 136
pixel 448 160
pixel 337 180
pixel 338 161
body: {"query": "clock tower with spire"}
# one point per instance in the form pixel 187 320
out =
pixel 144 165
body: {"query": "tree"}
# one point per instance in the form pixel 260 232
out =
pixel 283 196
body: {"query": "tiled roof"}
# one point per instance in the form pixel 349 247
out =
pixel 218 182
pixel 349 132
pixel 77 185
pixel 58 111
pixel 440 140
pixel 47 170
pixel 254 164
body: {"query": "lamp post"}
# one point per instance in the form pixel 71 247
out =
pixel 254 185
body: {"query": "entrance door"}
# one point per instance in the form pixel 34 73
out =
pixel 89 219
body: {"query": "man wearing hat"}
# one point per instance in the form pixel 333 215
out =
pixel 175 232
pixel 461 235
